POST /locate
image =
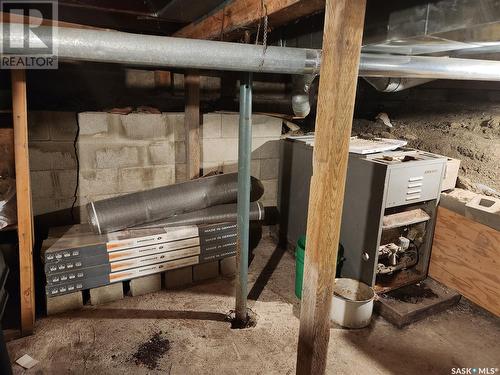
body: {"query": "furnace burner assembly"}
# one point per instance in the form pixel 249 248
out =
pixel 389 211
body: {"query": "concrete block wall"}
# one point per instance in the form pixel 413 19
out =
pixel 219 135
pixel 117 154
pixel 121 154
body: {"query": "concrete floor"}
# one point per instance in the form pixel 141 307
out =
pixel 102 340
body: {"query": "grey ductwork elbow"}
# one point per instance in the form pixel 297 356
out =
pixel 300 95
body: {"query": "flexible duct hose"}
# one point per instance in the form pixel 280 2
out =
pixel 134 209
pixel 224 213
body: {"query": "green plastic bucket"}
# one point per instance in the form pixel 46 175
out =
pixel 300 252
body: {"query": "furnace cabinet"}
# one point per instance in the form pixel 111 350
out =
pixel 389 211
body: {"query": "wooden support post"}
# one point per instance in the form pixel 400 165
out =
pixel 339 71
pixel 192 123
pixel 23 191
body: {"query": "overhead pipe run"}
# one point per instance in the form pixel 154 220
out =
pixel 154 51
pixel 372 65
pixel 159 51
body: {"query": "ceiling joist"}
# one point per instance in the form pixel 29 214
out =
pixel 230 22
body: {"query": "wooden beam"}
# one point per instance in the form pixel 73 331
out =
pixel 192 123
pixel 23 194
pixel 337 90
pixel 231 20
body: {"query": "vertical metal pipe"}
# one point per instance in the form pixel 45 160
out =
pixel 244 159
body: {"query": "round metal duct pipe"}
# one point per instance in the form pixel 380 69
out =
pixel 159 51
pixel 134 209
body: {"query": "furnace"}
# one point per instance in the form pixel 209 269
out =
pixel 389 210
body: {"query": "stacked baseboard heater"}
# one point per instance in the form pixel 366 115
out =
pixel 83 259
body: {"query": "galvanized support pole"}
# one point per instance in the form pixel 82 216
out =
pixel 244 159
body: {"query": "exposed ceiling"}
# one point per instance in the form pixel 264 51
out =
pixel 163 17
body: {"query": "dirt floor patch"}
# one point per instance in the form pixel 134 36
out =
pixel 469 134
pixel 249 322
pixel 151 351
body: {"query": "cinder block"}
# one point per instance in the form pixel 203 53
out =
pixel 451 175
pixel 205 271
pixel 484 210
pixel 139 79
pixel 180 172
pixel 99 181
pixel 180 152
pixel 456 200
pixel 262 126
pixel 64 183
pixel 105 294
pixel 163 153
pixel 117 157
pixel 270 190
pixel 230 123
pixel 228 266
pixel 178 278
pixel 164 175
pixel 212 125
pixel 232 167
pixel 38 125
pixel 66 302
pixel 175 122
pixel 221 149
pixel 145 126
pixel 42 184
pixel 45 156
pixel 269 169
pixel 145 285
pixel 63 126
pixel 266 126
pixel 141 178
pixel 93 123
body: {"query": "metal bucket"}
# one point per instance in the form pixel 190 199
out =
pixel 352 303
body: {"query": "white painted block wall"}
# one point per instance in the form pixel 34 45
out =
pixel 220 148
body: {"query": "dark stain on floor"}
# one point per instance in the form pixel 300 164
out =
pixel 151 351
pixel 412 293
